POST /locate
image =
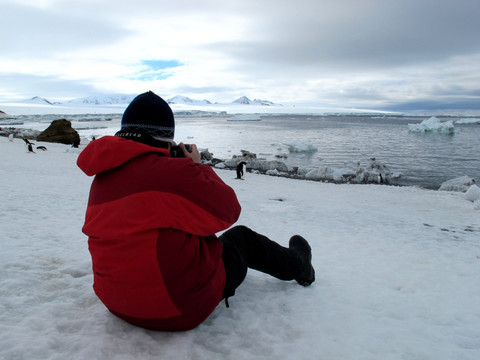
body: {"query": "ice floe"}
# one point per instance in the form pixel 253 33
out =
pixel 433 124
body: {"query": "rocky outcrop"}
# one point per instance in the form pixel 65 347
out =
pixel 60 131
pixel 19 133
pixel 375 172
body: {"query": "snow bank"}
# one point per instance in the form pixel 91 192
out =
pixel 397 273
pixel 433 124
pixel 461 184
pixel 473 195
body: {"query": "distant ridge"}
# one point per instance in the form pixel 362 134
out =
pixel 246 101
pixel 179 99
pixel 104 100
pixel 38 100
pixel 124 99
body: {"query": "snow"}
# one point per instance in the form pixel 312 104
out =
pixel 398 270
pixel 433 124
pixel 461 183
pixel 179 99
pixel 473 194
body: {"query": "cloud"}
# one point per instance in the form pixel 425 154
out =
pixel 22 86
pixel 37 32
pixel 346 51
pixel 353 35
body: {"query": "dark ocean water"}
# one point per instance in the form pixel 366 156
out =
pixel 422 159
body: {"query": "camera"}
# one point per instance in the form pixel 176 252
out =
pixel 177 152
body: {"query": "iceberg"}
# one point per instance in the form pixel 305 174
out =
pixel 301 147
pixel 433 124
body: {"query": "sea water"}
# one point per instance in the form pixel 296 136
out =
pixel 421 159
pixel 424 159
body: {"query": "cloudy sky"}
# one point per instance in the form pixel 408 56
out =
pixel 388 54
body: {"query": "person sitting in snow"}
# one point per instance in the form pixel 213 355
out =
pixel 151 220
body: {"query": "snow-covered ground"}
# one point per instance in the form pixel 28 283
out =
pixel 398 273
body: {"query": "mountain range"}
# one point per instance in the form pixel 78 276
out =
pixel 126 99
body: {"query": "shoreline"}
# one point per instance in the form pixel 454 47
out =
pixel 375 173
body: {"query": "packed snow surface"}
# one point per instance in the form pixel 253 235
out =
pixel 398 273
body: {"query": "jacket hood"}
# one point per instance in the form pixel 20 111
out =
pixel 109 152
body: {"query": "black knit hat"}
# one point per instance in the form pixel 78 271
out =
pixel 148 116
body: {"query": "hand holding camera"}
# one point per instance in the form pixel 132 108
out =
pixel 186 150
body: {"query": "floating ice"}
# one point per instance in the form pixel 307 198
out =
pixel 245 117
pixel 468 121
pixel 301 147
pixel 433 124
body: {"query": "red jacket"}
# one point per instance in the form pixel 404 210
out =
pixel 151 221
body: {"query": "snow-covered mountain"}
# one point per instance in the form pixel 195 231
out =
pixel 4 115
pixel 104 99
pixel 124 99
pixel 179 99
pixel 246 101
pixel 38 100
pixel 242 100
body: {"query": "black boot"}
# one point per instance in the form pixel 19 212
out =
pixel 302 248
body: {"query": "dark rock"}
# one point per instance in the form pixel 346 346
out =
pixel 60 131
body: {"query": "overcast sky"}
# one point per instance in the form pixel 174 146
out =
pixel 395 54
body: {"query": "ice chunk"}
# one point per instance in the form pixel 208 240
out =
pixel 433 124
pixel 301 147
pixel 458 184
pixel 245 117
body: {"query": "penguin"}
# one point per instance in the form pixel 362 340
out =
pixel 380 179
pixel 41 148
pixel 30 148
pixel 10 137
pixel 241 167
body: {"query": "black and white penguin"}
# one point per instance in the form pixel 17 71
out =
pixel 380 179
pixel 30 148
pixel 241 168
pixel 41 148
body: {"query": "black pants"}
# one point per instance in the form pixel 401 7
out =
pixel 243 248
